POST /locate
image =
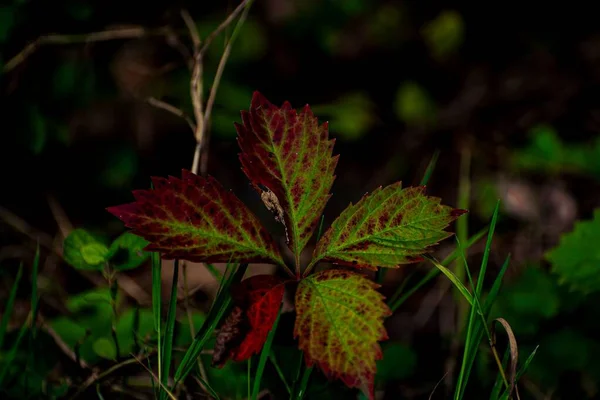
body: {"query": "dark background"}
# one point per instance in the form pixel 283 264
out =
pixel 513 87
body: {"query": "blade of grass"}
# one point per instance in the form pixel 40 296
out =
pixel 169 331
pixel 156 306
pixel 10 303
pixel 10 356
pixel 396 301
pixel 430 168
pixel 264 354
pixel 493 293
pixel 301 389
pixel 273 360
pixel 521 371
pixel 220 306
pixel 34 291
pixel 453 278
pixel 478 327
pixel 248 378
pixel 475 329
pixel 498 384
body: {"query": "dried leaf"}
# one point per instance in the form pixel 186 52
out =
pixel 339 323
pixel 388 227
pixel 244 332
pixel 288 155
pixel 196 219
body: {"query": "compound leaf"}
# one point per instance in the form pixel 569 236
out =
pixel 575 259
pixel 196 219
pixel 288 157
pixel 339 323
pixel 388 227
pixel 244 332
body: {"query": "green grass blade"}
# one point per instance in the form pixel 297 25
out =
pixel 454 279
pixel 301 388
pixel 264 355
pixel 498 384
pixel 491 297
pixel 488 247
pixel 35 299
pixel 521 370
pixel 430 168
pixel 214 271
pixel 169 331
pixel 280 373
pixel 8 359
pixel 396 300
pixel 10 303
pixel 156 306
pixel 475 327
pixel 219 308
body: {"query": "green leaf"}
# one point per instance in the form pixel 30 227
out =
pixel 94 253
pixel 288 157
pixel 127 251
pixel 386 228
pixel 444 34
pixel 414 106
pixel 576 259
pixel 352 115
pixel 83 250
pixel 339 323
pixel 105 348
pixel 196 219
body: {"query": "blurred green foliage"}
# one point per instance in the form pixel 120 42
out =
pixel 444 34
pixel 414 106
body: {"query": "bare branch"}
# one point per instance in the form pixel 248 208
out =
pixel 191 26
pixel 173 110
pixel 102 36
pixel 224 24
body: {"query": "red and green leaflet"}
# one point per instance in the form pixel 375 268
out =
pixel 386 228
pixel 339 323
pixel 288 157
pixel 256 304
pixel 196 219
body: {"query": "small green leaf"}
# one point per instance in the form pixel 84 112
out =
pixel 414 106
pixel 82 250
pixel 105 348
pixel 94 253
pixel 576 260
pixel 127 251
pixel 444 34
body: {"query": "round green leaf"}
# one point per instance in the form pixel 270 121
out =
pixel 105 348
pixel 82 250
pixel 127 251
pixel 94 253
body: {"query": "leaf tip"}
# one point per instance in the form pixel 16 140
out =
pixel 457 212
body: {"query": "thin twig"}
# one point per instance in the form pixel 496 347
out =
pixel 224 25
pixel 191 26
pixel 102 36
pixel 173 110
pixel 200 149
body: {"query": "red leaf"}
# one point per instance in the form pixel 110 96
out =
pixel 244 332
pixel 196 219
pixel 288 157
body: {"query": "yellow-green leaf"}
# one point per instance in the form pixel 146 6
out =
pixel 339 323
pixel 386 228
